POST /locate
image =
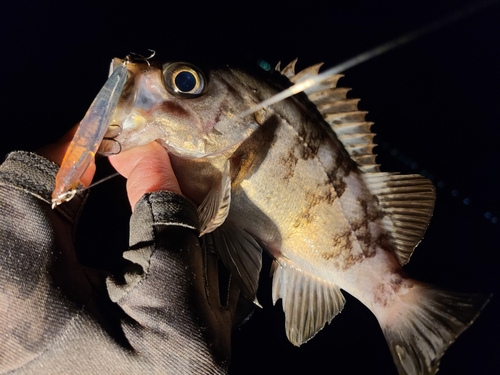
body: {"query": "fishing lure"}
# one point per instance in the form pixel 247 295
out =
pixel 89 136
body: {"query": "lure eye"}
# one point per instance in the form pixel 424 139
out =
pixel 183 80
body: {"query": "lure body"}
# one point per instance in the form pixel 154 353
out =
pixel 88 136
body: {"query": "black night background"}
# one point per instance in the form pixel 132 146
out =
pixel 434 102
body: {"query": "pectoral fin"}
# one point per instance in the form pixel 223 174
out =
pixel 308 302
pixel 215 207
pixel 240 253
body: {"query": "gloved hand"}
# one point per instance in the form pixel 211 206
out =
pixel 163 314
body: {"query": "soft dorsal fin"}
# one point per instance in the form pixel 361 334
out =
pixel 343 116
pixel 308 302
pixel 408 202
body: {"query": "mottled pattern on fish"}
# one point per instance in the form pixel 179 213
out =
pixel 301 178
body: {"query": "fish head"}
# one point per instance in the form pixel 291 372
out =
pixel 194 113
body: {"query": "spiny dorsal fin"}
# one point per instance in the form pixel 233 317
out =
pixel 343 116
pixel 308 72
pixel 408 202
pixel 308 302
pixel 289 70
pixel 327 95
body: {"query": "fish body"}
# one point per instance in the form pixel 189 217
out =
pixel 300 178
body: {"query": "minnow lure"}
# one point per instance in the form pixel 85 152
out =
pixel 89 136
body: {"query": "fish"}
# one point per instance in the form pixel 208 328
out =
pixel 299 179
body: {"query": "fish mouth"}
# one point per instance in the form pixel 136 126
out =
pixel 136 131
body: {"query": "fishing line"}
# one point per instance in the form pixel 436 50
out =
pixel 305 84
pixel 104 179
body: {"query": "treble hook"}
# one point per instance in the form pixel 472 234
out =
pixel 146 59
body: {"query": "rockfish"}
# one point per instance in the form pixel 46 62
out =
pixel 299 179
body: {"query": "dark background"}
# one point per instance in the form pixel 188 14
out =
pixel 434 103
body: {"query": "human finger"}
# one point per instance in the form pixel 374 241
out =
pixel 147 169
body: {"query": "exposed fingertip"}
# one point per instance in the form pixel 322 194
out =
pixel 147 169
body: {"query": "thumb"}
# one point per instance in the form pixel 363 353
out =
pixel 147 169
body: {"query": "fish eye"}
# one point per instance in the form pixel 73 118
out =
pixel 183 80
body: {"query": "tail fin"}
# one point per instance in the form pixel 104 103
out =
pixel 424 323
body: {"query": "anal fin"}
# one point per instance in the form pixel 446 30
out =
pixel 308 302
